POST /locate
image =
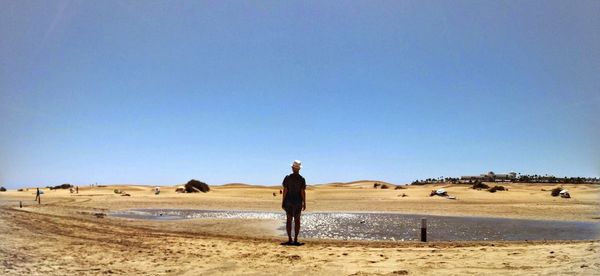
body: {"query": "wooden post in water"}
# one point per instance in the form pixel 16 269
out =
pixel 423 230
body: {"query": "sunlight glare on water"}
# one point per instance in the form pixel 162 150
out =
pixel 392 226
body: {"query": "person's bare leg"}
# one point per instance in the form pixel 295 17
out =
pixel 296 226
pixel 288 226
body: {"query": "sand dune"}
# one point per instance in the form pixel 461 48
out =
pixel 356 184
pixel 63 235
pixel 238 185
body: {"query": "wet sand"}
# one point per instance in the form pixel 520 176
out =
pixel 64 235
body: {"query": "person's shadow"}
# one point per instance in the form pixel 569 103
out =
pixel 292 243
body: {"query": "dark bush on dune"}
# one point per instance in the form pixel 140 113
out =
pixel 383 186
pixel 63 186
pixel 556 191
pixel 194 186
pixel 435 193
pixel 2 189
pixel 375 185
pixel 399 188
pixel 497 188
pixel 479 185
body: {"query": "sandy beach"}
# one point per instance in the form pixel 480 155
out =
pixel 67 234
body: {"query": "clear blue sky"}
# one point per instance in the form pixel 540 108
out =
pixel 159 92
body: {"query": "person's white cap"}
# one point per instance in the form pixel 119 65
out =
pixel 297 164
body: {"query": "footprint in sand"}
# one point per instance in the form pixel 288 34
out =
pixel 294 258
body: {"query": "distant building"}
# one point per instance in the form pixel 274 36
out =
pixel 490 177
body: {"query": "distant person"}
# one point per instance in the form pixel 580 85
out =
pixel 76 189
pixel 294 201
pixel 37 194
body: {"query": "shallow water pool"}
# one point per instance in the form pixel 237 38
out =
pixel 393 226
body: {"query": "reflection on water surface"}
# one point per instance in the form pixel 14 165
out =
pixel 396 227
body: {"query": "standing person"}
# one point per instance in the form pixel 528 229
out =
pixel 77 189
pixel 294 201
pixel 37 194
